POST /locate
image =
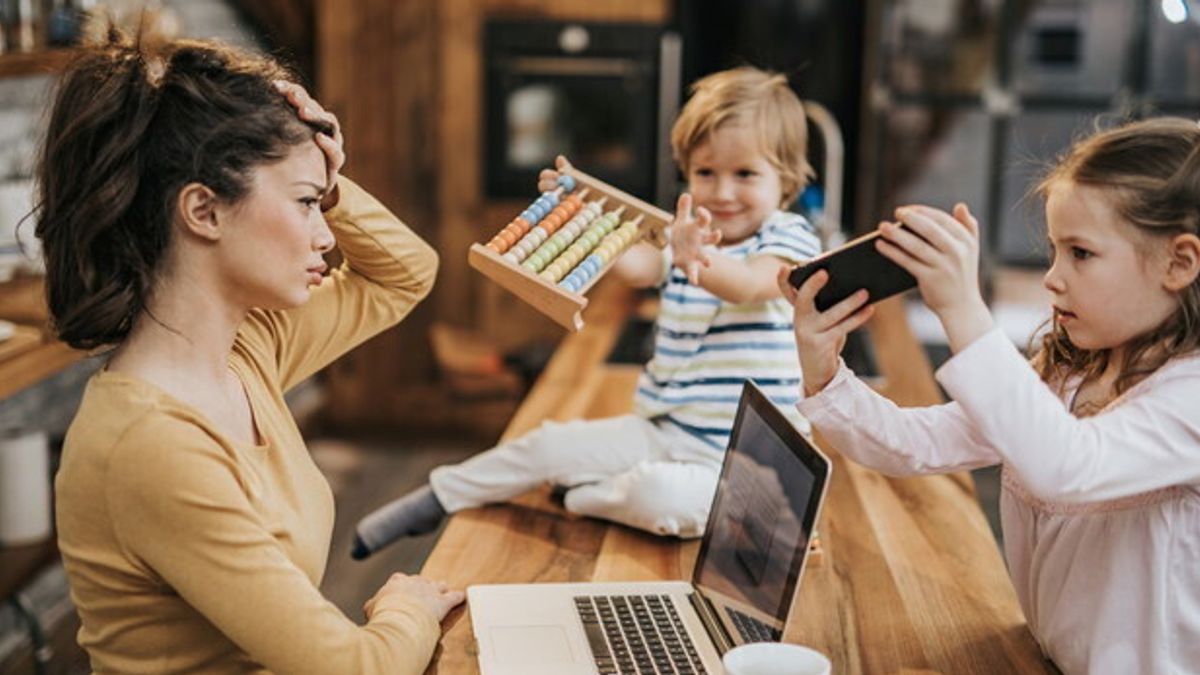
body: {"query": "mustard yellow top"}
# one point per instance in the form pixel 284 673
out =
pixel 187 551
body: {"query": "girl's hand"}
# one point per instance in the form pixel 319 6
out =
pixel 942 253
pixel 689 235
pixel 435 596
pixel 548 178
pixel 332 143
pixel 820 336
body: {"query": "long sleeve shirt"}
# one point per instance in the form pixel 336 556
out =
pixel 1101 514
pixel 188 551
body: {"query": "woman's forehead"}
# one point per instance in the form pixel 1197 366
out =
pixel 303 162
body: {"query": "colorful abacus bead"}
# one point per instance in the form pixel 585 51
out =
pixel 585 272
pixel 555 271
pixel 562 213
pixel 568 259
pixel 526 245
pixel 583 245
pixel 567 182
pixel 548 251
pixel 611 246
pixel 498 243
pixel 545 253
pixel 581 274
pixel 522 223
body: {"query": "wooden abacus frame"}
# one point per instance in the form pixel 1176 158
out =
pixel 565 307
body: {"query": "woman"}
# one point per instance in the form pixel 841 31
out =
pixel 186 199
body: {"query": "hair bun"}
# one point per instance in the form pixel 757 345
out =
pixel 152 27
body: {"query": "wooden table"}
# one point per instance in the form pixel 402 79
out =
pixel 911 580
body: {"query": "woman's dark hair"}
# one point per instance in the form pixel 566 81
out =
pixel 1149 171
pixel 129 128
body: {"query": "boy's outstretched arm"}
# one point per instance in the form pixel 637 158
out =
pixel 742 281
pixel 730 279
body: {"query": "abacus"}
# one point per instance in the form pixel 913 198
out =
pixel 565 241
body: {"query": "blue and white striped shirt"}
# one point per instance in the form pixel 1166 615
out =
pixel 705 348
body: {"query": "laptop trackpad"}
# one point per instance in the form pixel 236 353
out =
pixel 542 645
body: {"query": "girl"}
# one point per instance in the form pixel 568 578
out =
pixel 1100 436
pixel 186 198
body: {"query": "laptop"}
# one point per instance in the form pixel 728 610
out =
pixel 768 499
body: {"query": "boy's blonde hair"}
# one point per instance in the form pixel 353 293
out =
pixel 1150 174
pixel 765 103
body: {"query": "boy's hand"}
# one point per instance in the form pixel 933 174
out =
pixel 820 336
pixel 548 178
pixel 942 253
pixel 689 235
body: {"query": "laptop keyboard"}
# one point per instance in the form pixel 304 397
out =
pixel 751 629
pixel 637 634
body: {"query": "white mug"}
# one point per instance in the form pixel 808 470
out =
pixel 24 488
pixel 775 658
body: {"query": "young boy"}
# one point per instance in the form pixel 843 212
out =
pixel 741 143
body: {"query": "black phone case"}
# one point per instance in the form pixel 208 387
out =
pixel 855 265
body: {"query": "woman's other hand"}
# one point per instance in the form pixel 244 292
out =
pixel 820 336
pixel 331 143
pixel 434 596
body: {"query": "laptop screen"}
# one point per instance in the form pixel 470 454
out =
pixel 770 490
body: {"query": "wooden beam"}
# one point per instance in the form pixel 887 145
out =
pixel 288 27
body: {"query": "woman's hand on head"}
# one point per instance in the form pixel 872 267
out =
pixel 332 144
pixel 434 596
pixel 941 250
pixel 820 336
pixel 548 178
pixel 690 233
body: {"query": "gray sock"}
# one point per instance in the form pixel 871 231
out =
pixel 417 512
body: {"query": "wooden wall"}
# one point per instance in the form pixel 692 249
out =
pixel 406 78
pixel 287 26
pixel 377 70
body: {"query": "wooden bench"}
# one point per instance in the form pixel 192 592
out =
pixel 911 579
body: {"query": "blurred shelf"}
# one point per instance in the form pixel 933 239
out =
pixel 34 356
pixel 38 62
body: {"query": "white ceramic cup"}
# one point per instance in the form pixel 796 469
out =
pixel 775 658
pixel 24 488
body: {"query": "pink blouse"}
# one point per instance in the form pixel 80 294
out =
pixel 1101 515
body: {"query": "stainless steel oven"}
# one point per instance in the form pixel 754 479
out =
pixel 603 94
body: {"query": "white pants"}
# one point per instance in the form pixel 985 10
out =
pixel 652 476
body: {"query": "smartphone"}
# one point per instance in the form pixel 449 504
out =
pixel 854 265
